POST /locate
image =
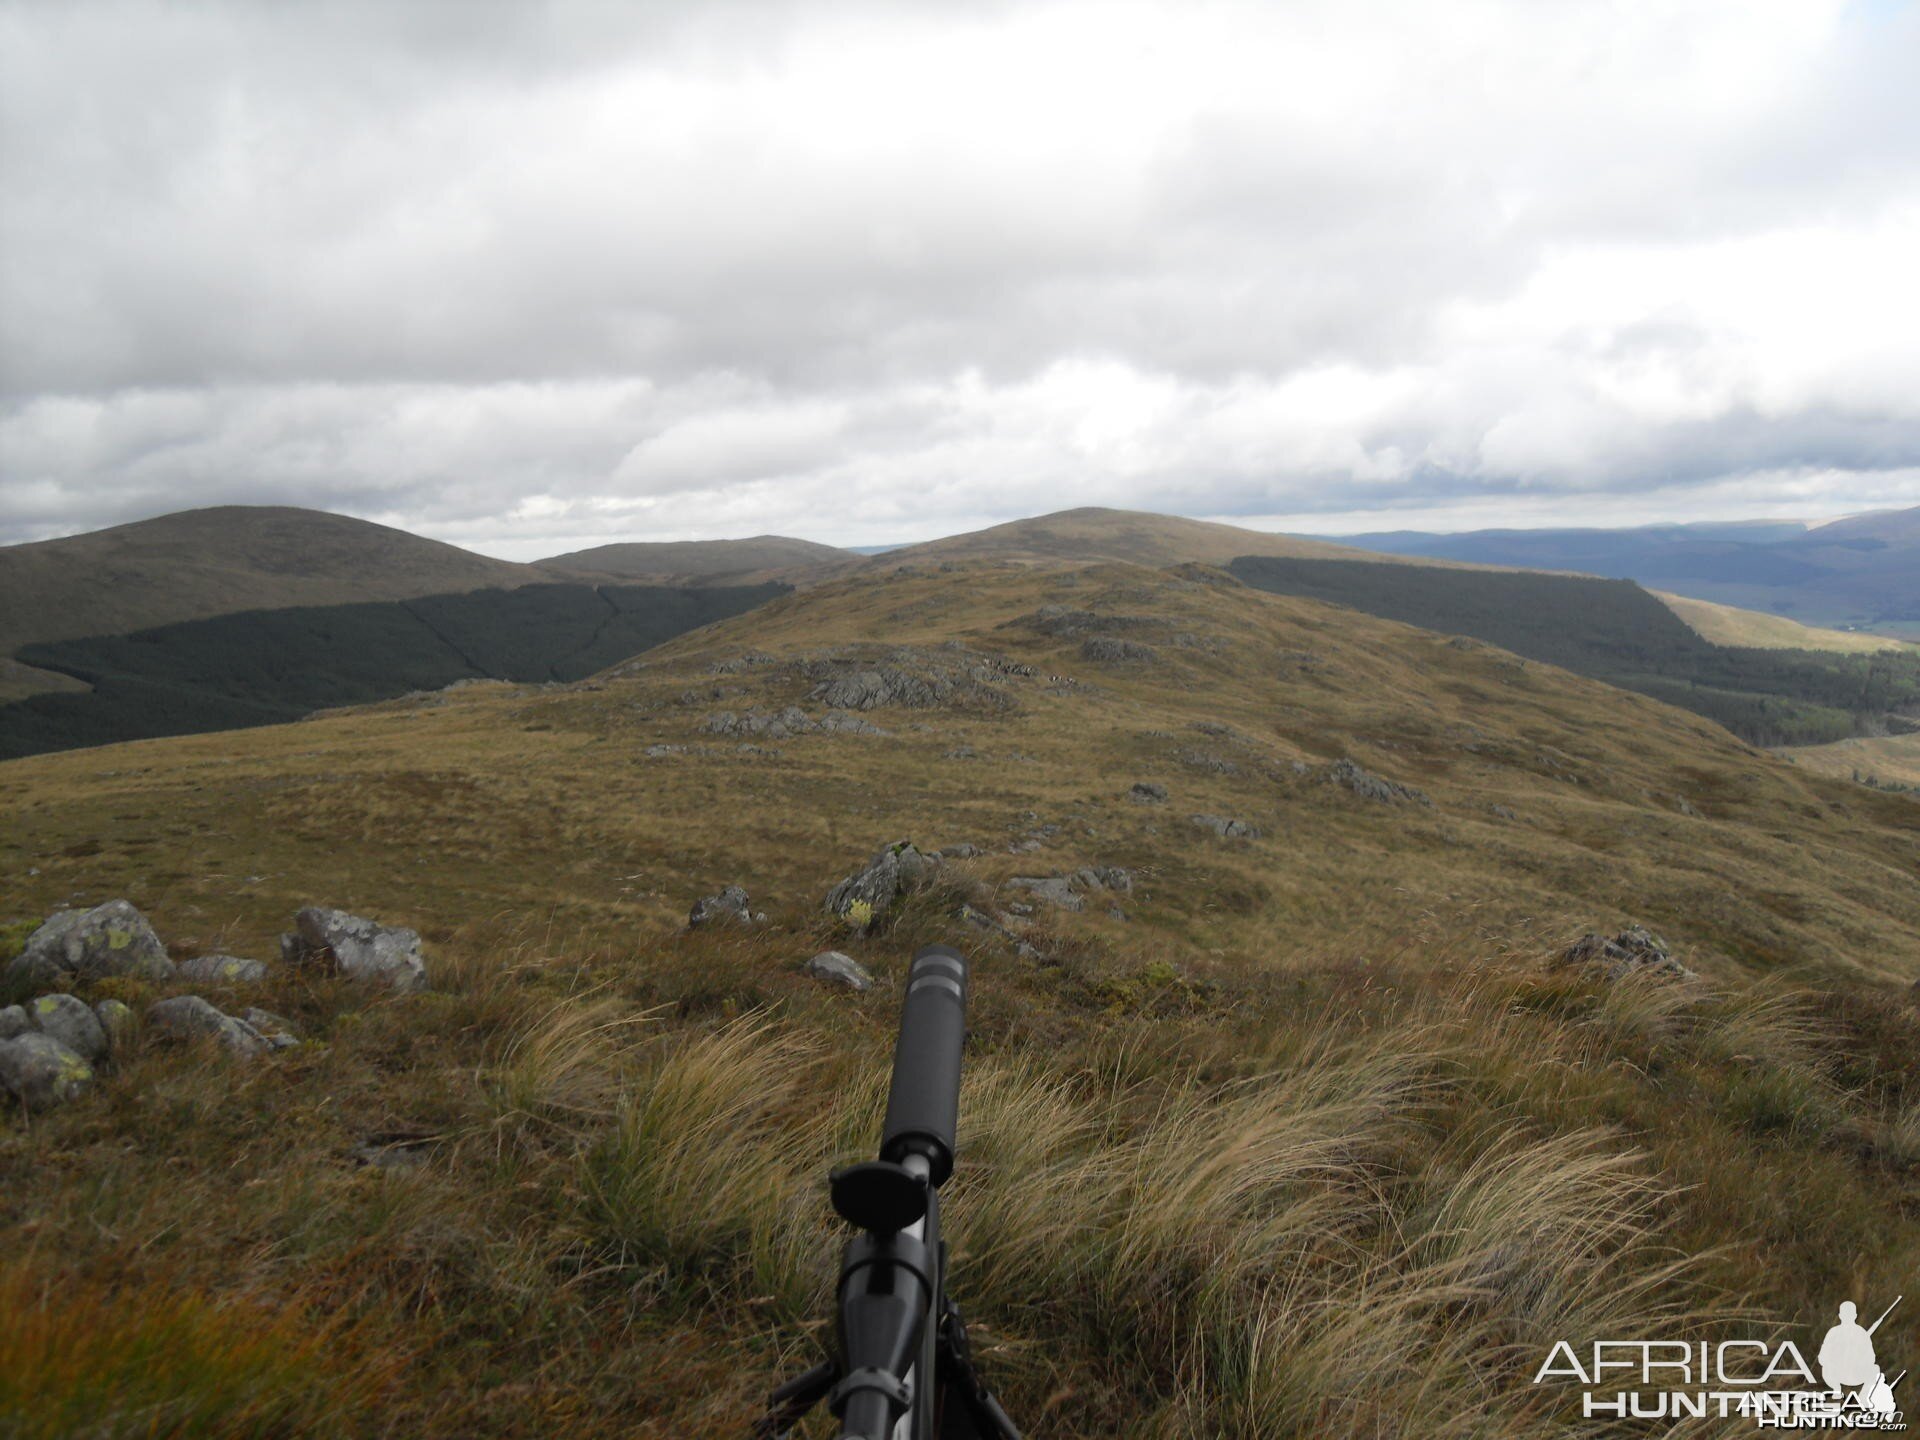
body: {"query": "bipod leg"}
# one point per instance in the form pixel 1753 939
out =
pixel 968 1410
pixel 788 1405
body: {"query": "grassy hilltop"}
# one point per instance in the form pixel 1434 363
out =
pixel 1312 1137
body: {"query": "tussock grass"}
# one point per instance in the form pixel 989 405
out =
pixel 158 1362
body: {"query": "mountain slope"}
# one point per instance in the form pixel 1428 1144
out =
pixel 199 563
pixel 1248 1132
pixel 711 561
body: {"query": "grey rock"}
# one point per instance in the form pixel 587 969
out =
pixel 1206 760
pixel 1503 812
pixel 110 939
pixel 1056 890
pixel 728 904
pixel 1369 786
pixel 230 969
pixel 1225 828
pixel 13 1021
pixel 41 1073
pixel 277 1032
pixel 1147 792
pixel 839 722
pixel 838 968
pixel 116 1022
pixel 1635 949
pixel 67 1019
pixel 397 1151
pixel 656 752
pixel 962 851
pixel 881 880
pixel 189 1018
pixel 361 949
pixel 1110 650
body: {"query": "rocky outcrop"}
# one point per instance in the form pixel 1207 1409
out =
pixel 835 967
pixel 726 905
pixel 1071 891
pixel 1147 792
pixel 356 947
pixel 1368 786
pixel 190 1018
pixel 1634 950
pixel 880 882
pixel 787 723
pixel 1111 650
pixel 227 969
pixel 41 1073
pixel 910 678
pixel 1225 828
pixel 108 940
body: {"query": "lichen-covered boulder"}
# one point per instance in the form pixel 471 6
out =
pixel 188 1017
pixel 40 1072
pixel 359 948
pixel 837 968
pixel 228 969
pixel 67 1019
pixel 879 882
pixel 13 1021
pixel 110 939
pixel 116 1022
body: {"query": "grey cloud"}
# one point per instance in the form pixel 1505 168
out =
pixel 494 265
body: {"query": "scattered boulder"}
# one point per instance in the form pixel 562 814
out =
pixel 110 939
pixel 230 969
pixel 994 925
pixel 1633 950
pixel 189 1018
pixel 13 1021
pixel 42 1073
pixel 839 722
pixel 1225 828
pixel 359 948
pixel 879 882
pixel 67 1019
pixel 728 904
pixel 116 1021
pixel 962 851
pixel 1147 792
pixel 656 752
pixel 1110 650
pixel 278 1033
pixel 838 968
pixel 1503 812
pixel 1369 786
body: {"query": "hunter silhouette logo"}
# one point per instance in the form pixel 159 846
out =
pixel 1768 1382
pixel 1849 1366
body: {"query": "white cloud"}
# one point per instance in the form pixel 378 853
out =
pixel 508 274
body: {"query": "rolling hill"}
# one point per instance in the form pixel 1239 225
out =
pixel 1094 533
pixel 1297 1125
pixel 703 561
pixel 200 563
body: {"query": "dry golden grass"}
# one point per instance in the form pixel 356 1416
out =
pixel 1754 629
pixel 1316 1141
pixel 1890 760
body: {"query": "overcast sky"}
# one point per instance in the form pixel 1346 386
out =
pixel 531 277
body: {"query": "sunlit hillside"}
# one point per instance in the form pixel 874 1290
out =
pixel 1301 1128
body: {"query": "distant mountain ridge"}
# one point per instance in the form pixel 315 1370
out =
pixel 1862 571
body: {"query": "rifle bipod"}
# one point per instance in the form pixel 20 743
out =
pixel 964 1409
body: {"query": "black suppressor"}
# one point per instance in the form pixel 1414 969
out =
pixel 923 1106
